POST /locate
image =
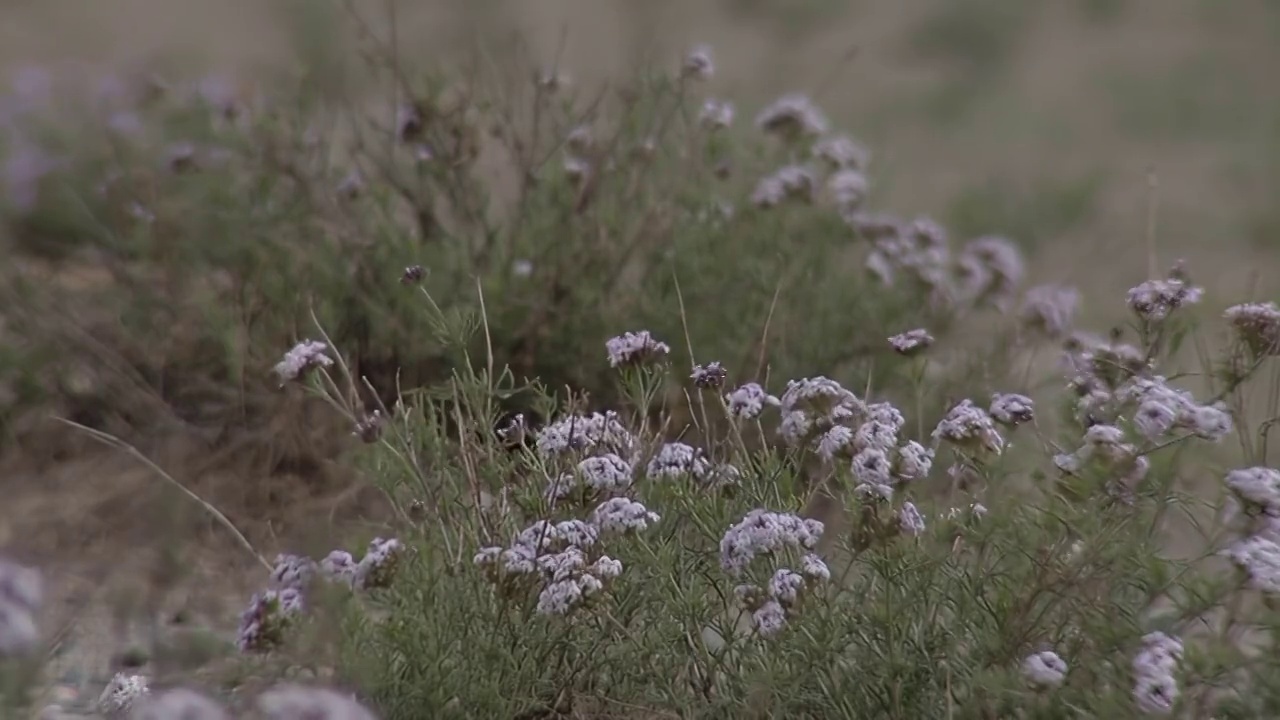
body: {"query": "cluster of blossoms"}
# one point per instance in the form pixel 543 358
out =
pixel 1155 667
pixel 986 270
pixel 270 613
pixel 635 348
pixel 1257 325
pixel 20 594
pixel 1258 553
pixel 1044 669
pixel 772 534
pixel 125 693
pixel 302 359
pixel 562 558
pixel 1154 301
pixel 282 702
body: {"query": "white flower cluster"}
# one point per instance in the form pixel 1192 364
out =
pixel 1258 556
pixel 768 533
pixel 716 114
pixel 763 532
pixel 1154 300
pixel 677 460
pixel 304 357
pixel 1155 685
pixel 1044 669
pixel 556 553
pixel 792 115
pixel 178 704
pixel 1258 325
pixel 842 153
pixel 971 429
pixel 911 342
pixel 987 270
pixel 269 614
pixel 748 401
pixel 1012 410
pixel 585 434
pixel 635 348
pixel 1257 487
pixel 20 595
pixel 1158 409
pixel 1106 444
pixel 790 182
pixel 1050 309
pixel 603 474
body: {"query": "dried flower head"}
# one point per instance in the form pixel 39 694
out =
pixel 911 342
pixel 712 375
pixel 297 702
pixel 303 358
pixel 636 348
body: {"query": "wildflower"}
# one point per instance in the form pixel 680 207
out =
pixel 913 461
pixel 786 586
pixel 605 473
pixel 873 226
pixel 814 568
pixel 873 491
pixel 561 597
pixel 710 376
pixel 179 704
pixel 698 64
pixel 842 153
pixel 413 274
pixel 790 182
pixel 763 532
pixel 677 459
pixel 1257 487
pixel 515 431
pixel 822 397
pixel 1155 300
pixel 769 619
pixel 264 622
pixel 1209 422
pixel 304 357
pixel 585 434
pixel 296 702
pixel 621 515
pixel 1259 558
pixel 378 566
pixel 991 267
pixel 970 427
pixel 872 466
pixel 716 114
pixel 1258 325
pixel 748 401
pixel 1044 669
pixel 338 566
pixel 1050 309
pixel 122 694
pixel 549 536
pixel 635 349
pixel 293 571
pixel 791 116
pixel 1155 689
pixel 576 169
pixel 369 428
pixel 911 342
pixel 848 188
pixel 910 519
pixel 834 442
pixel 1012 410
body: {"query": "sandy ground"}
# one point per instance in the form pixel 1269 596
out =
pixel 988 116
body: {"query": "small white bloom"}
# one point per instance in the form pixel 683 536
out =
pixel 1044 669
